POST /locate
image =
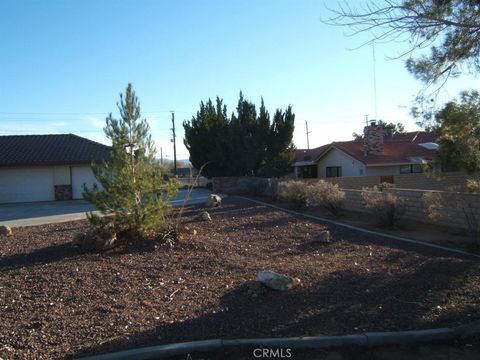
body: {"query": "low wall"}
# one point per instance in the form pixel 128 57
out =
pixel 245 185
pixel 415 207
pixel 404 181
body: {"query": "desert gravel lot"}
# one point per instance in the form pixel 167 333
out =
pixel 56 302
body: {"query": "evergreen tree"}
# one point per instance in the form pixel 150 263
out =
pixel 458 126
pixel 243 145
pixel 280 150
pixel 244 139
pixel 207 139
pixel 133 192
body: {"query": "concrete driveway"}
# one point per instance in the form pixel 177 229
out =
pixel 38 213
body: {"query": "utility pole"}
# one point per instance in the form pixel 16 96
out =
pixel 161 156
pixel 307 132
pixel 174 145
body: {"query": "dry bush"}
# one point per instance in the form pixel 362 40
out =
pixel 387 207
pixel 294 192
pixel 441 204
pixel 326 195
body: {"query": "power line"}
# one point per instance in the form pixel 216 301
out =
pixel 90 113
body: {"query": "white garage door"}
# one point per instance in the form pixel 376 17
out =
pixel 81 175
pixel 26 184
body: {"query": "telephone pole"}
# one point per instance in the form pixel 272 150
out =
pixel 174 145
pixel 161 156
pixel 307 132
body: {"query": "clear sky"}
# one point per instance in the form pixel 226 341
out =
pixel 64 63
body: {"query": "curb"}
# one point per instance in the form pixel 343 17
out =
pixel 371 232
pixel 369 339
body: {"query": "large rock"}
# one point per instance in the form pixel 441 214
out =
pixel 204 216
pixel 95 239
pixel 277 281
pixel 214 201
pixel 5 230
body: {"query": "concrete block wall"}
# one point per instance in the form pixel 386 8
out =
pixel 243 185
pixel 405 181
pixel 415 207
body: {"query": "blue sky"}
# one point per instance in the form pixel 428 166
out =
pixel 64 63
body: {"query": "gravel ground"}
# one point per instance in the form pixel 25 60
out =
pixel 56 302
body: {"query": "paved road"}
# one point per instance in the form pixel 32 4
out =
pixel 27 214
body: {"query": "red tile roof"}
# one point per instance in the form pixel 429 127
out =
pixel 28 150
pixel 399 148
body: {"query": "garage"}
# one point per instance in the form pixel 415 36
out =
pixel 81 175
pixel 47 167
pixel 26 184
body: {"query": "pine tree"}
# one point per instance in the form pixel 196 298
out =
pixel 133 192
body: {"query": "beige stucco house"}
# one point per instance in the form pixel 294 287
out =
pixel 47 167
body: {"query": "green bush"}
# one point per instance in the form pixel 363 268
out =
pixel 326 195
pixel 387 207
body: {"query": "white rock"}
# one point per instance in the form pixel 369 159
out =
pixel 214 201
pixel 5 230
pixel 277 281
pixel 205 216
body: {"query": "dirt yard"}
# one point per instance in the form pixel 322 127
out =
pixel 56 302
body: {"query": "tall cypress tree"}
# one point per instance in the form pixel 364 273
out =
pixel 244 144
pixel 207 138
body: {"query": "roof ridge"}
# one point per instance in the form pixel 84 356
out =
pixel 86 139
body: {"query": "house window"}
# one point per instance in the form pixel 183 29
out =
pixel 411 169
pixel 333 171
pixel 307 172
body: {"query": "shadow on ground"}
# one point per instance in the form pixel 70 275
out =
pixel 348 301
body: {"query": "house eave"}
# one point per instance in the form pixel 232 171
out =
pixel 304 163
pixel 398 163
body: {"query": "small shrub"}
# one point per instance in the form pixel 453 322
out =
pixel 440 204
pixel 326 195
pixel 294 192
pixel 388 208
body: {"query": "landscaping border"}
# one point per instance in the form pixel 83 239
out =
pixel 369 339
pixel 371 232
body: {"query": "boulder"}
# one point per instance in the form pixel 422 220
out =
pixel 78 239
pixel 276 281
pixel 96 239
pixel 5 230
pixel 323 237
pixel 214 201
pixel 204 216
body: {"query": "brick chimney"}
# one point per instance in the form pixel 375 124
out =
pixel 373 139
